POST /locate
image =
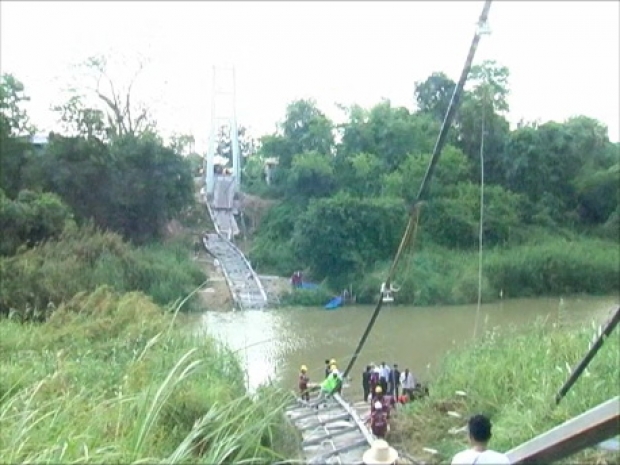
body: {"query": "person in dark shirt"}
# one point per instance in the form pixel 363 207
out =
pixel 327 368
pixel 395 381
pixel 366 382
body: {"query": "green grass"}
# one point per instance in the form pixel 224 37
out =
pixel 84 258
pixel 512 377
pixel 550 266
pixel 109 378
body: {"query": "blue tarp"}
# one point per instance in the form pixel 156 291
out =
pixel 334 303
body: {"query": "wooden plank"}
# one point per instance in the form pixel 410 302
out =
pixel 329 435
pixel 587 430
pixel 312 413
pixel 360 424
pixel 323 422
pixel 340 450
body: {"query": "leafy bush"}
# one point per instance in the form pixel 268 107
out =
pixel 307 297
pixel 30 219
pixel 434 275
pixel 84 258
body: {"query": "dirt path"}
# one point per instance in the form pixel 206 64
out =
pixel 215 295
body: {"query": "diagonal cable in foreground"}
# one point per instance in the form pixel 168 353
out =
pixel 424 187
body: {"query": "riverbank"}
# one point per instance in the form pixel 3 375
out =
pixel 435 275
pixel 36 280
pixel 512 377
pixel 111 378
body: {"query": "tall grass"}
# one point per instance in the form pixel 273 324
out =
pixel 513 377
pixel 111 379
pixel 434 275
pixel 85 258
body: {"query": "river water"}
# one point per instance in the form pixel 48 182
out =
pixel 273 344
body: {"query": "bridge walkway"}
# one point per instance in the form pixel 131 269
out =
pixel 335 432
pixel 245 286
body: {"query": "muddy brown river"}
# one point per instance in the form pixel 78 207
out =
pixel 273 344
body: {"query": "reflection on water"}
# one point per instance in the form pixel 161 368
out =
pixel 273 344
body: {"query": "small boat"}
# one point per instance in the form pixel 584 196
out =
pixel 334 303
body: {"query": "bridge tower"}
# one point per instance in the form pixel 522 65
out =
pixel 223 114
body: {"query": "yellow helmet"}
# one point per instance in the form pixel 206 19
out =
pixel 333 361
pixel 378 390
pixel 304 368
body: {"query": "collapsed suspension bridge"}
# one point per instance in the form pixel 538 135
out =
pixel 338 433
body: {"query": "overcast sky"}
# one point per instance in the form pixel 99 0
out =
pixel 563 56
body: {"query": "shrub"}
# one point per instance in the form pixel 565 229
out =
pixel 512 377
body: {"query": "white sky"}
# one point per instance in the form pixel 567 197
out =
pixel 563 56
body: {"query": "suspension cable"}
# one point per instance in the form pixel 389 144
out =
pixel 424 187
pixel 481 229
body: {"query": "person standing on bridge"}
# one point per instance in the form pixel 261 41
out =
pixel 395 381
pixel 384 373
pixel 366 382
pixel 375 375
pixel 378 421
pixel 303 383
pixel 479 427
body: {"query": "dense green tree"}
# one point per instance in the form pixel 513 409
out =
pixel 486 103
pixel 433 95
pixel 14 131
pixel 341 236
pixel 311 175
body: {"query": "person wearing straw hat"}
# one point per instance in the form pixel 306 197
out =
pixel 380 453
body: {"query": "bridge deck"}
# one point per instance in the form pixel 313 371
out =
pixel 335 432
pixel 245 286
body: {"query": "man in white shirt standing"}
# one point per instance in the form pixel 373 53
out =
pixel 479 428
pixel 385 376
pixel 407 382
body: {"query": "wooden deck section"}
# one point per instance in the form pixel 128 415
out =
pixel 587 430
pixel 333 433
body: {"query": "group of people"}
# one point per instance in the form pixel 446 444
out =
pixel 332 383
pixel 382 385
pixel 401 386
pixel 479 429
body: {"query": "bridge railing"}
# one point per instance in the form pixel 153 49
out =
pixel 586 430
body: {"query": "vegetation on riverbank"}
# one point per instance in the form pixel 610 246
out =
pixel 94 367
pixel 81 259
pixel 111 378
pixel 513 377
pixel 555 266
pixel 550 201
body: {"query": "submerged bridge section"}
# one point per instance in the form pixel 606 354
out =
pixel 246 288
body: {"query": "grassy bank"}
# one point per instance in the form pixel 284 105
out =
pixel 111 379
pixel 436 276
pixel 513 377
pixel 83 258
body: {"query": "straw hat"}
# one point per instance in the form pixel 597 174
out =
pixel 380 453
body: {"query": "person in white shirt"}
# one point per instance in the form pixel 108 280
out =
pixel 479 428
pixel 384 371
pixel 407 382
